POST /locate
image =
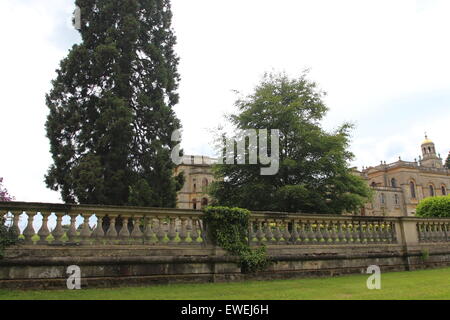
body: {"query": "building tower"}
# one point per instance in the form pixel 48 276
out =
pixel 430 158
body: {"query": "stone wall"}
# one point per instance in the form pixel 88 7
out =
pixel 161 246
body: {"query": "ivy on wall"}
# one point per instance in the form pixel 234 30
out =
pixel 227 228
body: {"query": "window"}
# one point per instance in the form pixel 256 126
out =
pixel 393 183
pixel 444 190
pixel 194 204
pixel 431 191
pixel 396 199
pixel 204 184
pixel 373 185
pixel 412 187
pixel 204 202
pixel 382 198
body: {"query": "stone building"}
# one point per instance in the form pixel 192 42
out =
pixel 398 187
pixel 198 176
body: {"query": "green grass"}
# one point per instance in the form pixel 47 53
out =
pixel 426 284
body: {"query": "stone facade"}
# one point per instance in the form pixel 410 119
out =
pixel 198 174
pixel 398 187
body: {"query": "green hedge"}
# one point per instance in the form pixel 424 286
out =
pixel 434 207
pixel 228 227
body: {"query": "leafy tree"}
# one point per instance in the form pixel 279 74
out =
pixel 434 207
pixel 447 162
pixel 313 175
pixel 111 107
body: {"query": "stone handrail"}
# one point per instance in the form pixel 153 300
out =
pixel 109 225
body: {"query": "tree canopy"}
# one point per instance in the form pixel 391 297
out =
pixel 314 173
pixel 111 107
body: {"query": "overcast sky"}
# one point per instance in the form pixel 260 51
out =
pixel 384 64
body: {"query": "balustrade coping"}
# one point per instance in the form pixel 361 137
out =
pixel 130 211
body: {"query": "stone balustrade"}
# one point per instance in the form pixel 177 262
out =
pixel 65 224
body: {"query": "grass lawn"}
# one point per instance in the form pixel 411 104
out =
pixel 426 284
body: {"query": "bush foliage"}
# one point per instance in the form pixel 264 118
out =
pixel 434 207
pixel 228 227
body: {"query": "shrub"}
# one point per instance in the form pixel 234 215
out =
pixel 228 227
pixel 8 236
pixel 434 207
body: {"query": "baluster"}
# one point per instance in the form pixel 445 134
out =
pixel 295 235
pixel 43 232
pixel 348 234
pixel 85 233
pixel 441 232
pixel 195 235
pixel 259 233
pixel 161 234
pixel 318 233
pixel 124 233
pixel 172 235
pixel 310 232
pixel 369 232
pixel 269 234
pixel 277 234
pixel 251 232
pixel 447 236
pixel 16 221
pixel 29 231
pixel 355 232
pixel 341 234
pixel 136 236
pixel 377 237
pixel 58 232
pixel 98 234
pixel 149 234
pixel 72 234
pixel 183 232
pixel 111 234
pixel 326 233
pixel 302 234
pixel 286 233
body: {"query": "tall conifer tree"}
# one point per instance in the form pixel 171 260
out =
pixel 111 107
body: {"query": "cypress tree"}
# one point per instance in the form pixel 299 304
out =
pixel 111 107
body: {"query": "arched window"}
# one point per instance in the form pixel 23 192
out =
pixel 194 185
pixel 204 202
pixel 373 185
pixel 393 183
pixel 204 184
pixel 431 190
pixel 444 190
pixel 412 188
pixel 194 204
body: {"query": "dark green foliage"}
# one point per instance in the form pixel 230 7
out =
pixel 111 107
pixel 434 207
pixel 313 176
pixel 8 236
pixel 228 228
